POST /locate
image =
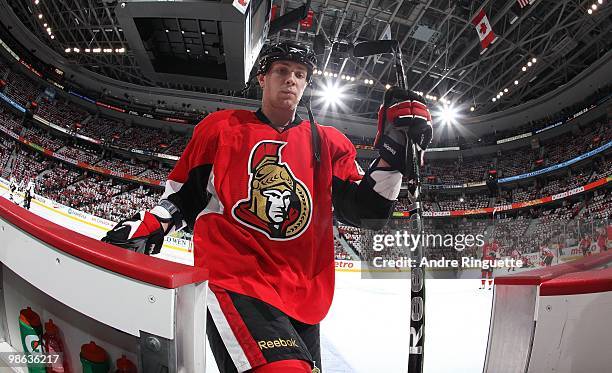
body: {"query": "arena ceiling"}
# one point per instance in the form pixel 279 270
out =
pixel 441 50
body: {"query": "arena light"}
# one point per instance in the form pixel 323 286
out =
pixel 331 96
pixel 589 11
pixel 472 108
pixel 40 16
pixel 493 99
pixel 516 82
pixel 599 2
pixel 448 113
pixel 505 90
pixel 594 6
pixel 36 2
pixel 332 93
pixel 387 86
pixel 534 60
pixel 52 36
pixel 67 50
pixel 524 68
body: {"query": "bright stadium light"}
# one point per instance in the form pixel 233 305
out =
pixel 448 114
pixel 516 82
pixel 589 11
pixel 331 95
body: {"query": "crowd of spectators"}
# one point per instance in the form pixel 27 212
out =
pixel 126 204
pixel 40 137
pixel 518 161
pixel 121 165
pixel 22 90
pixel 80 153
pixel 61 112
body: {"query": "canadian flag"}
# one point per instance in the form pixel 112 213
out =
pixel 483 27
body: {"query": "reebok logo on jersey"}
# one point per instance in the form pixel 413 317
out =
pixel 278 203
pixel 264 345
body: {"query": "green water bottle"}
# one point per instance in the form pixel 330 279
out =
pixel 94 358
pixel 31 337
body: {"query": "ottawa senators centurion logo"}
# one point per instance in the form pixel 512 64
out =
pixel 278 205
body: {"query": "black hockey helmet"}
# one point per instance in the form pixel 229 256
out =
pixel 287 51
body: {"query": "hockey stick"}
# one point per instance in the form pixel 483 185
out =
pixel 417 273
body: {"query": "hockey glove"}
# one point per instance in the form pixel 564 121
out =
pixel 402 112
pixel 141 233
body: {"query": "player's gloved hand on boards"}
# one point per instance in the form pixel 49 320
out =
pixel 142 233
pixel 402 112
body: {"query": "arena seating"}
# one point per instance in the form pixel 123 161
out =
pixel 61 112
pixel 21 89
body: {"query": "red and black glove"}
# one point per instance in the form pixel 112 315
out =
pixel 402 113
pixel 141 233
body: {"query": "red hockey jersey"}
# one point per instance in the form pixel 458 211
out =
pixel 261 208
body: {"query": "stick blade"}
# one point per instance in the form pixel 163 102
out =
pixel 369 48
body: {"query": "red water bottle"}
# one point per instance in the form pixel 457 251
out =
pixel 54 346
pixel 125 366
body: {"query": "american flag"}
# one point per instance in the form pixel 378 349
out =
pixel 524 3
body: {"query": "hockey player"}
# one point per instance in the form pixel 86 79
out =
pixel 29 193
pixel 585 245
pixel 12 188
pixel 547 256
pixel 516 255
pixel 489 253
pixel 260 207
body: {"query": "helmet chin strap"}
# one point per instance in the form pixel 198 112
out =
pixel 316 139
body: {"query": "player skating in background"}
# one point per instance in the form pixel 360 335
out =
pixel 516 255
pixel 547 256
pixel 12 188
pixel 260 206
pixel 602 240
pixel 29 193
pixel 585 245
pixel 489 253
